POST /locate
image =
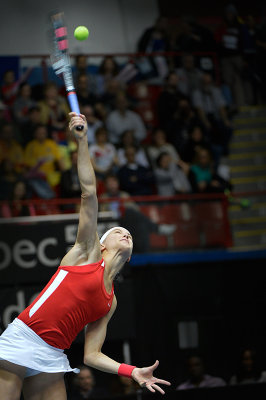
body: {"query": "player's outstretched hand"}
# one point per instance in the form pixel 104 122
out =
pixel 145 378
pixel 78 121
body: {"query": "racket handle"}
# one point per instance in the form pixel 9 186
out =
pixel 74 105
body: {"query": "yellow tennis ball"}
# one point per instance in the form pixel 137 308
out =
pixel 81 33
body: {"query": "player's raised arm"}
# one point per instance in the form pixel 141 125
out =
pixel 87 240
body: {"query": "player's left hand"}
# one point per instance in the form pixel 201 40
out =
pixel 145 378
pixel 78 120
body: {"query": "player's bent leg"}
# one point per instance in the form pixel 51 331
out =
pixel 45 387
pixel 11 380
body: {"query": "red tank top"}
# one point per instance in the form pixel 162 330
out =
pixel 74 296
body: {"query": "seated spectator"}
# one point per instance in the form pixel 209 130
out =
pixel 211 108
pixel 197 377
pixel 23 104
pixel 170 179
pixel 130 216
pixel 103 154
pixel 14 208
pixel 160 145
pixel 84 92
pixel 81 67
pixel 28 127
pixel 93 122
pixel 154 39
pixel 101 111
pixel 4 114
pixel 44 161
pixel 128 139
pixel 69 184
pixel 195 141
pixel 108 69
pixel 230 41
pixel 84 386
pixel 249 370
pixel 169 99
pixel 10 86
pixel 112 90
pixel 202 174
pixel 8 177
pixel 178 127
pixel 133 178
pixel 10 148
pixel 122 119
pixel 123 386
pixel 189 76
pixel 54 109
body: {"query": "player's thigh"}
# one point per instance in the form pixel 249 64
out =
pixel 45 386
pixel 11 380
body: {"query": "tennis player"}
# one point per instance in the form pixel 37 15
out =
pixel 80 293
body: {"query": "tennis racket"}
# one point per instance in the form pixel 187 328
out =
pixel 61 61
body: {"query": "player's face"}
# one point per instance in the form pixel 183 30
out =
pixel 120 239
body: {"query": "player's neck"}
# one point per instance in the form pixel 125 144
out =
pixel 114 262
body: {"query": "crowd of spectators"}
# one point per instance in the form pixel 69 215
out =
pixel 84 385
pixel 180 151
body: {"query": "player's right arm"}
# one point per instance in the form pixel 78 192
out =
pixel 87 246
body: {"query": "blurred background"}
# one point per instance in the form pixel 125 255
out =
pixel 174 96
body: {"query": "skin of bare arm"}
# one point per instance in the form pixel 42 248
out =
pixel 87 247
pixel 93 356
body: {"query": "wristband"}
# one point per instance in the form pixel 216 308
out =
pixel 125 370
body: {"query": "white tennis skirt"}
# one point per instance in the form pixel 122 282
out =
pixel 20 345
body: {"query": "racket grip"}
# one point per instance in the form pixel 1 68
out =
pixel 74 105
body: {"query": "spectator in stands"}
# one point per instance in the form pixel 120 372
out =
pixel 9 88
pixel 4 114
pixel 197 377
pixel 101 111
pixel 251 78
pixel 178 128
pixel 129 215
pixel 84 386
pixel 108 69
pixel 202 173
pixel 192 37
pixel 189 76
pixel 93 122
pixel 169 99
pixel 112 90
pixel 154 39
pixel 211 108
pixel 123 386
pixel 54 109
pixel 82 67
pixel 10 148
pixel 122 119
pixel 84 93
pixel 133 178
pixel 23 104
pixel 170 179
pixel 249 370
pixel 229 38
pixel 127 140
pixel 69 185
pixel 28 127
pixel 14 208
pixel 8 177
pixel 261 58
pixel 44 162
pixel 103 154
pixel 195 141
pixel 160 145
